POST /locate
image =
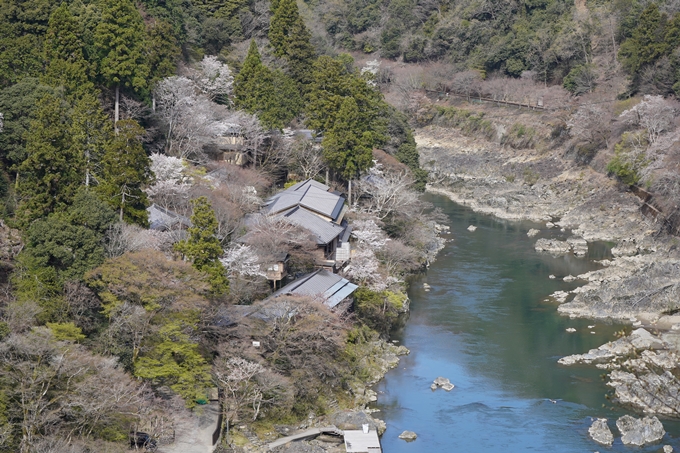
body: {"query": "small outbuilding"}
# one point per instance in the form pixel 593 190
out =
pixel 331 288
pixel 362 441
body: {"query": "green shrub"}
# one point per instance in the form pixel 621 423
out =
pixel 629 158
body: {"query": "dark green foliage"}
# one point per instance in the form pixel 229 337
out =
pixel 203 247
pixel 581 79
pixel 402 145
pixel 125 172
pixel 272 95
pixel 18 103
pixel 120 42
pixel 162 51
pixel 290 39
pixel 52 170
pixel 347 147
pixel 377 310
pixel 647 42
pixel 22 26
pixel 61 247
pixel 65 63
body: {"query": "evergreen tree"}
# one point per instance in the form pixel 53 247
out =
pixel 162 51
pixel 272 95
pixel 125 170
pixel 90 131
pixel 203 247
pixel 347 146
pixel 647 42
pixel 120 42
pixel 63 51
pixel 290 39
pixel 52 171
pixel 332 82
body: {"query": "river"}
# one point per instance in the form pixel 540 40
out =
pixel 486 324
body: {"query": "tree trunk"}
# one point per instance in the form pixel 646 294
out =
pixel 116 114
pixel 326 176
pixel 349 193
pixel 122 203
pixel 153 103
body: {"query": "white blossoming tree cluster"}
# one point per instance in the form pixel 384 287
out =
pixel 365 266
pixel 242 260
pixel 171 184
pixel 193 109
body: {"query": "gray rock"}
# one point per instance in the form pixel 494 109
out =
pixel 667 449
pixel 625 248
pixel 433 386
pixel 408 436
pixel 642 339
pixel 600 432
pixel 552 246
pixel 532 232
pixel 640 432
pixel 569 278
pixel 440 381
pixel 549 225
pixel 448 386
pixel 578 245
pixel 471 228
pixel 355 420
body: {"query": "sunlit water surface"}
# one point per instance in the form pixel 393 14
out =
pixel 486 325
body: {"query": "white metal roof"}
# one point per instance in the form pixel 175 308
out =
pixel 357 441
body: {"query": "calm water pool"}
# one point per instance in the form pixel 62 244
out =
pixel 486 325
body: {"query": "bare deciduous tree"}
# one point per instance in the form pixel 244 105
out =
pixel 305 158
pixel 386 192
pixel 590 123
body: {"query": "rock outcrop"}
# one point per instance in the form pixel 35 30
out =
pixel 408 436
pixel 599 431
pixel 640 432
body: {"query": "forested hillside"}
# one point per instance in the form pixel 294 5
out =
pixel 198 111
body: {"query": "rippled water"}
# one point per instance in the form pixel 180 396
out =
pixel 486 325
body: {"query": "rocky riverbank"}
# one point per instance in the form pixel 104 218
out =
pixel 639 285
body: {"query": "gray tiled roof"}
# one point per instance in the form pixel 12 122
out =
pixel 331 287
pixel 323 230
pixel 163 219
pixel 309 194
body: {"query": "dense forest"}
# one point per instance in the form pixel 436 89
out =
pixel 109 107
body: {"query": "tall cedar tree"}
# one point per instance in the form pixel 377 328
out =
pixel 647 42
pixel 52 171
pixel 120 40
pixel 347 146
pixel 270 94
pixel 290 39
pixel 63 50
pixel 332 82
pixel 90 131
pixel 125 169
pixel 162 51
pixel 203 247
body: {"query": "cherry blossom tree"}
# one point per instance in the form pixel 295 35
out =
pixel 214 79
pixel 242 259
pixel 654 114
pixel 386 192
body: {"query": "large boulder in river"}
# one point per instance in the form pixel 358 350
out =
pixel 552 246
pixel 640 432
pixel 601 433
pixel 355 420
pixel 408 436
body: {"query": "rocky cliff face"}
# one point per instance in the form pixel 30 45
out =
pixel 542 185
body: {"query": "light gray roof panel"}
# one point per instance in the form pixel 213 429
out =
pixel 356 441
pixel 324 230
pixel 164 219
pixel 340 295
pixel 310 194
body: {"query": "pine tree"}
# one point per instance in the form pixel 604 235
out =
pixel 120 42
pixel 125 170
pixel 52 171
pixel 290 39
pixel 247 83
pixel 63 52
pixel 203 247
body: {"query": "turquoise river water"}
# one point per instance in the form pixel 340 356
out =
pixel 486 325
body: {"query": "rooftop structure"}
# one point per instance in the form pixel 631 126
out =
pixel 362 441
pixel 162 219
pixel 330 287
